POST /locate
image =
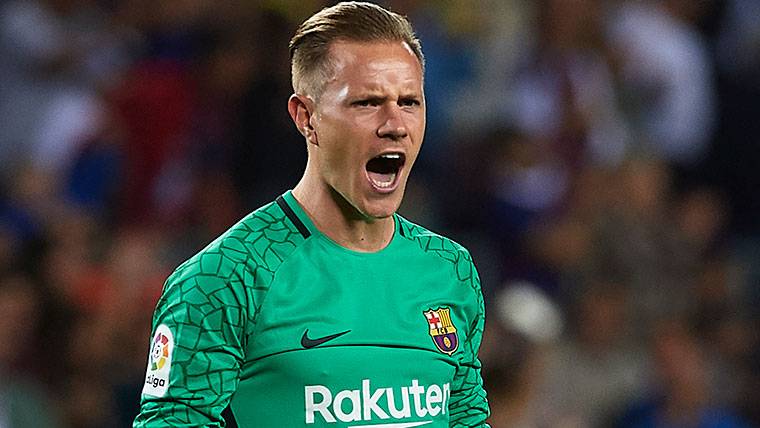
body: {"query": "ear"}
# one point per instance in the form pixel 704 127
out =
pixel 301 108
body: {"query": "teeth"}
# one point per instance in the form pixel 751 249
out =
pixel 391 156
pixel 385 184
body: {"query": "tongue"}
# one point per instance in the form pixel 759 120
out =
pixel 382 180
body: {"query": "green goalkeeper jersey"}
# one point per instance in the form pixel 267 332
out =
pixel 276 325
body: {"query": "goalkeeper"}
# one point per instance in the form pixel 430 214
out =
pixel 325 308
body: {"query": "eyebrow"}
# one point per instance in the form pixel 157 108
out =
pixel 370 97
pixel 376 96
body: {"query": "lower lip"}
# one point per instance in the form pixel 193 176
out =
pixel 385 190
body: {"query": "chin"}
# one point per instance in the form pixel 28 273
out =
pixel 380 215
pixel 381 209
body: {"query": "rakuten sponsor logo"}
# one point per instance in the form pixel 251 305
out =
pixel 367 404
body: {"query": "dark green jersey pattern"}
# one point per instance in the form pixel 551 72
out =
pixel 392 336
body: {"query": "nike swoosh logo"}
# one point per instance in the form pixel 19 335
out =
pixel 307 343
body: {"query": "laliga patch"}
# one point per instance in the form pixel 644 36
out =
pixel 442 329
pixel 159 362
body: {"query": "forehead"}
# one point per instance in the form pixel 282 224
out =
pixel 374 62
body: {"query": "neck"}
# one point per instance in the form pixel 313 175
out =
pixel 340 221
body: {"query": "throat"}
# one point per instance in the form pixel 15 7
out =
pixel 365 236
pixel 341 222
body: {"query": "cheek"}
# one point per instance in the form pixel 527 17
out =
pixel 340 152
pixel 418 133
pixel 415 124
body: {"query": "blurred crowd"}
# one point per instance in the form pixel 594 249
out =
pixel 600 158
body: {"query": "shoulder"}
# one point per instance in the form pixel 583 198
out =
pixel 455 258
pixel 430 241
pixel 437 245
pixel 262 240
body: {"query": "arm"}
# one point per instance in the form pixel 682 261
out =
pixel 197 345
pixel 468 406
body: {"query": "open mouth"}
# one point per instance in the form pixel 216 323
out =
pixel 384 169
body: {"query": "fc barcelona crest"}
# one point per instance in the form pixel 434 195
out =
pixel 442 329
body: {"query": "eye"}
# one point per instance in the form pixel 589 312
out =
pixel 367 102
pixel 409 102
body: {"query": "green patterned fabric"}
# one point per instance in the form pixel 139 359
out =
pixel 275 325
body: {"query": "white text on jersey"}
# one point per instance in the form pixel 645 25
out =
pixel 365 404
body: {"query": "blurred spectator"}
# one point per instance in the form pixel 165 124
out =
pixel 155 105
pixel 636 243
pixel 24 402
pixel 525 324
pixel 565 97
pixel 733 165
pixel 56 56
pixel 268 153
pixel 666 77
pixel 590 375
pixel 683 395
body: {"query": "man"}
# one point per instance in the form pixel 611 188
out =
pixel 325 308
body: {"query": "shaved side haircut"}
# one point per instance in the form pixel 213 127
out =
pixel 347 21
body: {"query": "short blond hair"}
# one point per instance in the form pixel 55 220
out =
pixel 346 21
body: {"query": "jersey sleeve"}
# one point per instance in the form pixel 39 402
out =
pixel 468 406
pixel 197 346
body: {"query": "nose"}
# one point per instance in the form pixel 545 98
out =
pixel 393 126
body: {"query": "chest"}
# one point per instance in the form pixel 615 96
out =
pixel 402 301
pixel 347 339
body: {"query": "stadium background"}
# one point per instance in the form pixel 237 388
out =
pixel 599 158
